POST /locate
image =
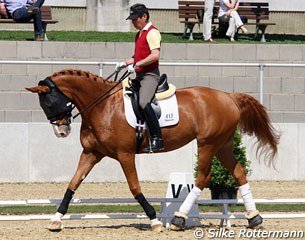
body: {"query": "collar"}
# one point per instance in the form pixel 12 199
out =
pixel 147 26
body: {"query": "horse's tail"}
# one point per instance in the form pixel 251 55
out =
pixel 255 120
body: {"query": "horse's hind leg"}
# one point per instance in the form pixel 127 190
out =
pixel 226 157
pixel 127 162
pixel 205 156
pixel 86 163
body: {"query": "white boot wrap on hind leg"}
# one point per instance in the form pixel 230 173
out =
pixel 246 194
pixel 190 200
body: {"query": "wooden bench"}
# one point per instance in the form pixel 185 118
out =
pixel 191 13
pixel 46 16
pixel 256 13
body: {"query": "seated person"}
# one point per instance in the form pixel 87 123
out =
pixel 3 11
pixel 24 11
pixel 228 13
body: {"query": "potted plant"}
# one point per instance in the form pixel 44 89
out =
pixel 222 184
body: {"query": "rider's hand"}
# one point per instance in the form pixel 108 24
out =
pixel 119 66
pixel 131 68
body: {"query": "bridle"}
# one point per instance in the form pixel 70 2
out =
pixel 51 101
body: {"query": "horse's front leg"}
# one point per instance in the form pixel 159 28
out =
pixel 86 163
pixel 127 162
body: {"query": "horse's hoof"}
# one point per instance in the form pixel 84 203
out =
pixel 55 226
pixel 255 221
pixel 177 224
pixel 157 227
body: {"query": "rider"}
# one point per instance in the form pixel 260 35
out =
pixel 145 62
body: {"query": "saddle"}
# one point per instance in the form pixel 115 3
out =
pixel 132 91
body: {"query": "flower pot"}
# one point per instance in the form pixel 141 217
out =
pixel 224 193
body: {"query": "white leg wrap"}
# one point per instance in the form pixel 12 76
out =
pixel 246 194
pixel 57 217
pixel 154 222
pixel 190 200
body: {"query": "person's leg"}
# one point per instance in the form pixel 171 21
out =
pixel 231 29
pixel 207 19
pixel 38 25
pixel 22 15
pixel 238 22
pixel 38 3
pixel 237 19
pixel 149 85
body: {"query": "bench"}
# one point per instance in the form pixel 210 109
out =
pixel 46 16
pixel 191 13
pixel 256 13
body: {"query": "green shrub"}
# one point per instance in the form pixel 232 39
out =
pixel 221 178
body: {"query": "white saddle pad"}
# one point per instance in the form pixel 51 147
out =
pixel 169 111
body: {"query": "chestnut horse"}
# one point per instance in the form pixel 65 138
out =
pixel 207 115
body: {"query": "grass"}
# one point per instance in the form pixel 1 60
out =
pixel 74 36
pixel 99 208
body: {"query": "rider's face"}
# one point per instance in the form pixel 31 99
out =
pixel 140 22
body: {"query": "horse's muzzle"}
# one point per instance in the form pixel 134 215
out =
pixel 61 131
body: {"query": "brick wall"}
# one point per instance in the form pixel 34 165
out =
pixel 284 88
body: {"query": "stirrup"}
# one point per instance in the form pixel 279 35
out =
pixel 156 144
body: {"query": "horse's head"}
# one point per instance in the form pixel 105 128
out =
pixel 55 105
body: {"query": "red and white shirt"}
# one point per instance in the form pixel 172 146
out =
pixel 148 39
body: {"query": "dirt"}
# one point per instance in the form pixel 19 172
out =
pixel 139 228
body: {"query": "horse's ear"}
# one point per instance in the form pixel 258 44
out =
pixel 39 89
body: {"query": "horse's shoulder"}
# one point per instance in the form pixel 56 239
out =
pixel 87 138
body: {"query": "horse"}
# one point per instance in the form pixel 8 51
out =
pixel 208 115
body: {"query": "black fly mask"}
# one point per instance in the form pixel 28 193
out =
pixel 54 103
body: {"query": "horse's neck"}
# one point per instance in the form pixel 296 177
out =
pixel 84 91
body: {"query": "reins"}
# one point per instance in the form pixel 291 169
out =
pixel 126 74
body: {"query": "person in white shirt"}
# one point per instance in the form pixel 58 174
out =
pixel 228 11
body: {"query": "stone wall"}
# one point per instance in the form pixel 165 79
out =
pixel 284 87
pixel 25 131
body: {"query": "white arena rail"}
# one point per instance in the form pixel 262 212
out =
pixel 225 216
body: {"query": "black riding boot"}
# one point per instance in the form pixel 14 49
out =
pixel 156 141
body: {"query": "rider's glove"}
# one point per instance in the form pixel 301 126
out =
pixel 119 66
pixel 131 68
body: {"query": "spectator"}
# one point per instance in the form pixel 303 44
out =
pixel 207 20
pixel 145 62
pixel 3 11
pixel 24 11
pixel 228 13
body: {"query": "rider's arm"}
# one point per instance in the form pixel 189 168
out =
pixel 151 58
pixel 129 61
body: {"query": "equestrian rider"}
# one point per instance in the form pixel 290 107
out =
pixel 145 62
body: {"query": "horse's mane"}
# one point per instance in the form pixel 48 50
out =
pixel 78 73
